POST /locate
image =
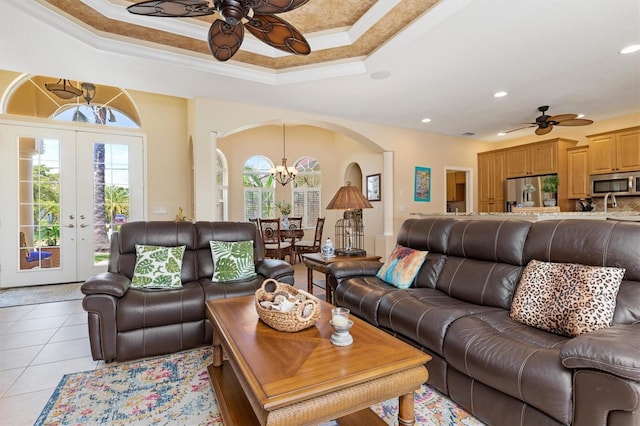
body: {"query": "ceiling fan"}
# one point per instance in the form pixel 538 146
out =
pixel 226 34
pixel 546 122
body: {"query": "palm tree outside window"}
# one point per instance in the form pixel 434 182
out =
pixel 259 188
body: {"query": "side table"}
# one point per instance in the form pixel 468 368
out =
pixel 317 262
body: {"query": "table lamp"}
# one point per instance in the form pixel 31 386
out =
pixel 350 229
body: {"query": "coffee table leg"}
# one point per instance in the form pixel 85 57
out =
pixel 406 414
pixel 217 350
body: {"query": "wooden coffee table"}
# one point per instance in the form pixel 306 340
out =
pixel 317 262
pixel 268 377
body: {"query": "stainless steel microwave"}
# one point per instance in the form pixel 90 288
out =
pixel 615 183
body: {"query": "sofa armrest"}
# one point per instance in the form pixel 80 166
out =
pixel 106 283
pixel 614 350
pixel 349 268
pixel 277 269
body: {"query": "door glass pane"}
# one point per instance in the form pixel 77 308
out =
pixel 111 205
pixel 39 205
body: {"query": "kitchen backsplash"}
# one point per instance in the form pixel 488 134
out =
pixel 625 204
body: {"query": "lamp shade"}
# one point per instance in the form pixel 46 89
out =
pixel 348 197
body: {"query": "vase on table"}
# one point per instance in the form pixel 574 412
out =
pixel 285 221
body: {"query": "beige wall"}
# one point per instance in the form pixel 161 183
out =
pixel 164 120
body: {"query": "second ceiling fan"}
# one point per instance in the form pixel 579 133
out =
pixel 545 123
pixel 226 34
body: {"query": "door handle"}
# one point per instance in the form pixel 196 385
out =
pixel 69 226
pixel 82 225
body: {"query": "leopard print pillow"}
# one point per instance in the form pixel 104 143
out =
pixel 566 298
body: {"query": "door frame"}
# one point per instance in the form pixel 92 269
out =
pixel 468 186
pixel 9 275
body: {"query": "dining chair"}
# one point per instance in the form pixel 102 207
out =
pixel 308 246
pixel 274 247
pixel 295 222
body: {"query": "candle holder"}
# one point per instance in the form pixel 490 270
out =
pixel 341 323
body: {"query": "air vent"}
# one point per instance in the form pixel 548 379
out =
pixel 468 134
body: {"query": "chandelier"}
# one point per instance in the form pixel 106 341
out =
pixel 64 90
pixel 284 174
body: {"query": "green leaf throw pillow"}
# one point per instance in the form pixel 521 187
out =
pixel 402 267
pixel 232 260
pixel 157 267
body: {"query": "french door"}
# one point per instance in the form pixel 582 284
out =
pixel 63 193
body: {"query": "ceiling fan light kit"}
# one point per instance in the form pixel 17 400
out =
pixel 226 35
pixel 545 123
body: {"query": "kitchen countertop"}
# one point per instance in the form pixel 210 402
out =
pixel 536 216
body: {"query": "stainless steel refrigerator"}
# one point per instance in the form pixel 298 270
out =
pixel 524 192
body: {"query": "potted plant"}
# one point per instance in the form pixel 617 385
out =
pixel 285 209
pixel 526 194
pixel 550 188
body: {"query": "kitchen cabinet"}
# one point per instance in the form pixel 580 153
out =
pixel 531 160
pixel 578 172
pixel 540 158
pixel 491 175
pixel 613 152
pixel 456 186
pixel 534 159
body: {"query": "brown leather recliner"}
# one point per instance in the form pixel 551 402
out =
pixel 127 323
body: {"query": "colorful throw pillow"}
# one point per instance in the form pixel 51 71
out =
pixel 402 267
pixel 566 298
pixel 157 267
pixel 232 260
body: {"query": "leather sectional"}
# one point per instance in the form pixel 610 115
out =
pixel 127 323
pixel 458 311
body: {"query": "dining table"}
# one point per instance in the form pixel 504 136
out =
pixel 291 236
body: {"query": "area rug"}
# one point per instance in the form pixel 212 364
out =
pixel 175 389
pixel 33 295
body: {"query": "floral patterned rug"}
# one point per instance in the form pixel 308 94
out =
pixel 175 389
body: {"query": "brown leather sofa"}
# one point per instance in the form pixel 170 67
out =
pixel 127 323
pixel 502 371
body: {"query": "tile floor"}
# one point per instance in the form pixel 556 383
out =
pixel 41 343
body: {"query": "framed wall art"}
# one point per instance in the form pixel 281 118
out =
pixel 373 187
pixel 422 182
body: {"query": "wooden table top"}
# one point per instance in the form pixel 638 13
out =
pixel 318 258
pixel 283 368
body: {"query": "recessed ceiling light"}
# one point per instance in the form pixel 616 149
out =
pixel 502 134
pixel 630 49
pixel 380 75
pixel 500 94
pixel 580 116
pixel 426 120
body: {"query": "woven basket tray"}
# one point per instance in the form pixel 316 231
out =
pixel 286 321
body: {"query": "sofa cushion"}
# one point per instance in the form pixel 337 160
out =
pixel 566 298
pixel 232 260
pixel 518 360
pixel 157 267
pixel 423 315
pixel 402 266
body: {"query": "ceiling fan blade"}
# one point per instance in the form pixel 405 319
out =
pixel 520 128
pixel 575 122
pixel 224 39
pixel 544 130
pixel 263 7
pixel 278 33
pixel 562 117
pixel 172 8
